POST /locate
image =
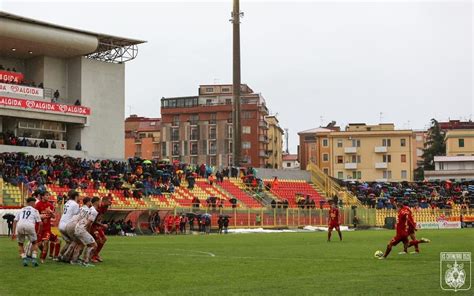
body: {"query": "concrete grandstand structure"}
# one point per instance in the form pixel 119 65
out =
pixel 62 85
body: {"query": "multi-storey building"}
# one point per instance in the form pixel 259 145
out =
pixel 275 142
pixel 142 137
pixel 360 152
pixel 63 87
pixel 460 142
pixel 198 129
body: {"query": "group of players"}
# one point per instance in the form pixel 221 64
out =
pixel 80 228
pixel 405 229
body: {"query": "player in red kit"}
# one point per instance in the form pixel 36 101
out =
pixel 46 210
pixel 401 228
pixel 98 229
pixel 333 221
pixel 411 233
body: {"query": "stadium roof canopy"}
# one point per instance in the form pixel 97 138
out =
pixel 22 37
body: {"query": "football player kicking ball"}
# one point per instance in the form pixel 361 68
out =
pixel 71 209
pixel 24 228
pixel 333 221
pixel 402 230
pixel 411 233
pixel 98 229
pixel 81 231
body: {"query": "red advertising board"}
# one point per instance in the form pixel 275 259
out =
pixel 11 77
pixel 44 106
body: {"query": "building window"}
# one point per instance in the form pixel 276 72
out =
pixel 193 148
pixel 403 142
pixel 339 143
pixel 193 160
pixel 225 89
pixel 325 157
pixel 359 159
pixel 326 171
pixel 288 164
pixel 441 166
pixel 387 174
pixel 404 174
pixel 419 138
pixel 325 143
pixel 176 149
pixel 229 132
pixel 213 119
pixel 357 175
pixel 193 119
pixel 387 158
pixel 340 159
pixel 175 120
pixel 386 142
pixel 228 101
pixel 246 130
pixel 248 114
pixel 246 145
pixel 461 143
pixel 355 143
pixel 194 134
pixel 209 89
pixel 212 133
pixel 175 134
pixel 212 147
pixel 212 160
pixel 340 175
pixel 403 158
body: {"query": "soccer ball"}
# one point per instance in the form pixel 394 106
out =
pixel 378 254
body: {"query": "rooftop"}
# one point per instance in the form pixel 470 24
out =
pixel 30 37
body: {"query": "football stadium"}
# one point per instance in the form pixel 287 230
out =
pixel 81 215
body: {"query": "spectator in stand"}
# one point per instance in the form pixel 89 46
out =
pixel 78 146
pixel 56 96
pixel 41 85
pixel 53 145
pixel 1 67
pixel 77 103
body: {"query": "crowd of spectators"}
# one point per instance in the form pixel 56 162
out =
pixel 185 223
pixel 442 195
pixel 135 177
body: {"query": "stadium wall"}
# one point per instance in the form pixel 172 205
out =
pixel 103 90
pixel 284 174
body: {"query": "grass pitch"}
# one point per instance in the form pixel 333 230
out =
pixel 251 264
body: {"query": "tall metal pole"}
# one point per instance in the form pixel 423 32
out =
pixel 237 127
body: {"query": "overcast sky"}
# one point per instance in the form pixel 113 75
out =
pixel 313 61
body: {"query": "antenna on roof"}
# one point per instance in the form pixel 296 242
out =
pixel 287 141
pixel 380 117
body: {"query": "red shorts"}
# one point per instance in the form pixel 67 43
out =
pixel 45 234
pixel 333 225
pixel 411 230
pixel 97 232
pixel 399 238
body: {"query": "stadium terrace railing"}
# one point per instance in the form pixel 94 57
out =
pixel 330 187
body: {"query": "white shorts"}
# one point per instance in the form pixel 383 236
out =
pixel 26 232
pixel 64 235
pixel 84 236
pixel 69 231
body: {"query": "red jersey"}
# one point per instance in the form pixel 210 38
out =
pixel 411 221
pixel 333 216
pixel 403 221
pixel 42 208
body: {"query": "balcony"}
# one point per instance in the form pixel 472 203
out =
pixel 263 139
pixel 350 166
pixel 350 150
pixel 381 149
pixel 264 154
pixel 381 165
pixel 263 124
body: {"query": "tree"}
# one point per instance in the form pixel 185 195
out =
pixel 434 146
